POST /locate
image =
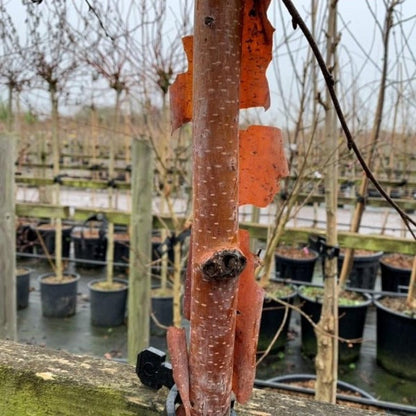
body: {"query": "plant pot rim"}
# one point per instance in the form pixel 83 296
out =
pixel 367 302
pixel 311 250
pixel 50 227
pixel 373 255
pixel 41 277
pixel 379 305
pixel 392 266
pixel 90 285
pixel 289 296
pixel 27 270
pixel 161 296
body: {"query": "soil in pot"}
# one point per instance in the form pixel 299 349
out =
pixel 396 336
pixel 89 244
pixel 162 311
pixel 22 287
pixel 395 272
pixel 47 233
pixel 364 269
pixel 352 312
pixel 108 302
pixel 272 317
pixel 58 296
pixel 295 263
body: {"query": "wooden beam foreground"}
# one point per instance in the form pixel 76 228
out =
pixel 38 381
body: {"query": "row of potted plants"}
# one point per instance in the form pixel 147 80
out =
pixel 396 323
pixel 296 265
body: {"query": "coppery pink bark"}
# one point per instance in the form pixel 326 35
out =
pixel 216 87
pixel 231 51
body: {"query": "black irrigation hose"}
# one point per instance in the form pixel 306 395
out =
pixel 71 260
pixel 389 406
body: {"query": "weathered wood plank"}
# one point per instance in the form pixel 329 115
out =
pixel 259 231
pixel 140 249
pixel 7 239
pixel 38 210
pixel 72 183
pixel 37 381
pixel 116 217
pixel 346 239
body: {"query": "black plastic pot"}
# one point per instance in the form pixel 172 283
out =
pixel 22 287
pixel 344 389
pixel 271 319
pixel 108 307
pixel 58 299
pixel 89 245
pixel 25 239
pixel 392 277
pixel 296 269
pixel 364 270
pixel 48 237
pixel 121 248
pixel 162 311
pixel 351 326
pixel 396 341
pixel 159 248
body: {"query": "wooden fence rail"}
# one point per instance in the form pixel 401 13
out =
pixel 291 235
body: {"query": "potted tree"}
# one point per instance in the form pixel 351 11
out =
pixel 53 69
pixel 108 297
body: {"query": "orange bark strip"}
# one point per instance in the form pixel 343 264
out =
pixel 262 165
pixel 257 42
pixel 176 339
pixel 256 54
pixel 250 303
pixel 181 90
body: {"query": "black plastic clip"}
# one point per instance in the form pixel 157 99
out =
pixel 58 178
pixel 152 369
pixel 112 183
pixel 361 199
pixel 326 251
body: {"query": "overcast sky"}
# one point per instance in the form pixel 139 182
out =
pixel 355 21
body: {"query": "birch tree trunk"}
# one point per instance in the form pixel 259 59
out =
pixel 326 361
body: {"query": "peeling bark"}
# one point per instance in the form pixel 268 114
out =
pixel 216 82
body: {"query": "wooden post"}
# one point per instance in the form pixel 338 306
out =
pixel 110 253
pixel 7 240
pixel 140 248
